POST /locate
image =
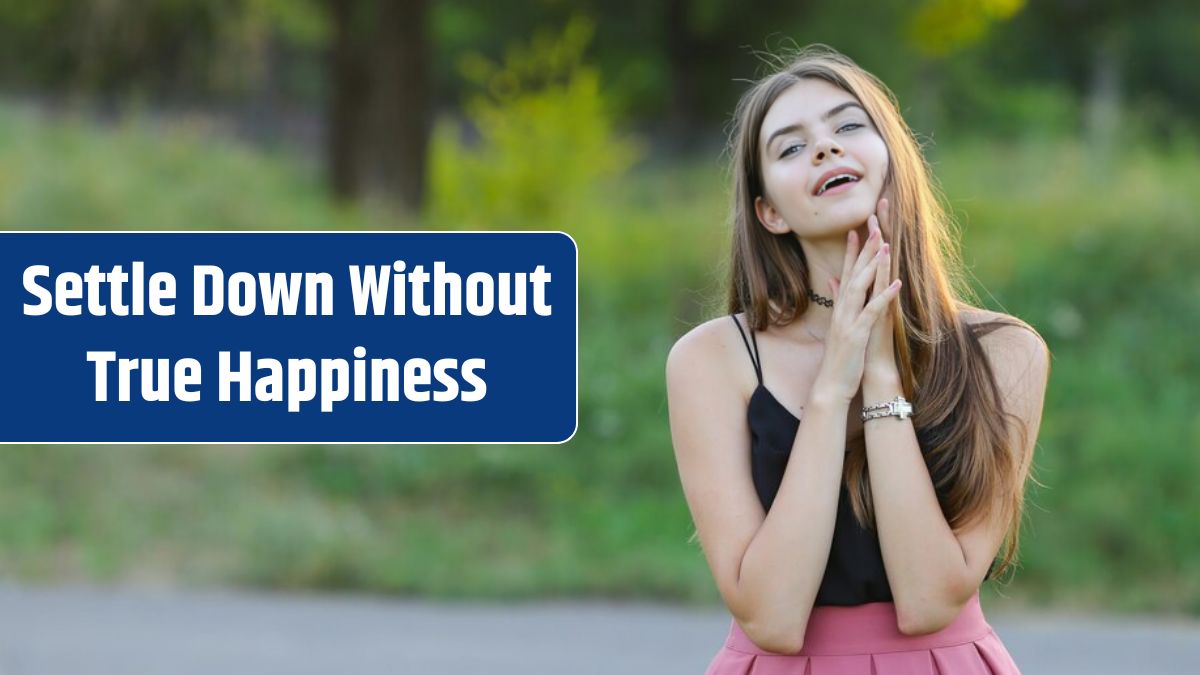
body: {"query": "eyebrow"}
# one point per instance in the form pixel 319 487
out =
pixel 793 127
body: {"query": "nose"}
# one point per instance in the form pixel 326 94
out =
pixel 826 149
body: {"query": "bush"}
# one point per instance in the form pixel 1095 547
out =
pixel 546 140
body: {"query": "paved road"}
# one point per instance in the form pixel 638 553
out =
pixel 85 631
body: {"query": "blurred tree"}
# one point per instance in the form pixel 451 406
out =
pixel 544 141
pixel 178 50
pixel 371 68
pixel 1113 56
pixel 380 99
pixel 707 46
pixel 202 52
pixel 942 27
pixel 936 29
pixel 1095 37
pixel 677 65
pixel 692 39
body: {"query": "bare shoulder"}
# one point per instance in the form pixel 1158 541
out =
pixel 1012 333
pixel 710 353
pixel 708 376
pixel 1017 353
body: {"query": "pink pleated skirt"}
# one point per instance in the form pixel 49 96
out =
pixel 865 640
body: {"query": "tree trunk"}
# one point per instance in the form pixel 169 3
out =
pixel 347 102
pixel 401 108
pixel 927 105
pixel 1103 102
pixel 684 51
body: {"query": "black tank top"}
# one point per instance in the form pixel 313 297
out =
pixel 855 573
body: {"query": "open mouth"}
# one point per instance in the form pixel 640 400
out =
pixel 839 183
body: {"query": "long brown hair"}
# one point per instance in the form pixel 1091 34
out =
pixel 944 371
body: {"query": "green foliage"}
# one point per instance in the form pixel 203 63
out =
pixel 1099 259
pixel 185 49
pixel 654 57
pixel 1028 109
pixel 301 21
pixel 244 33
pixel 546 139
pixel 941 27
pixel 72 174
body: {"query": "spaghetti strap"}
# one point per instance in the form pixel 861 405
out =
pixel 755 357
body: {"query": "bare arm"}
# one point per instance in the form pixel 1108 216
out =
pixel 934 571
pixel 768 567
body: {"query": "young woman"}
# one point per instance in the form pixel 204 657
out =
pixel 853 440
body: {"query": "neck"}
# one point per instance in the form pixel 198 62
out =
pixel 825 256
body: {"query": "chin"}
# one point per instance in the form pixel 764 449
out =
pixel 849 215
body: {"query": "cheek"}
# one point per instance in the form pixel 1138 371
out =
pixel 786 180
pixel 879 156
pixel 870 149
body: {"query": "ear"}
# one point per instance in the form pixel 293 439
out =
pixel 769 217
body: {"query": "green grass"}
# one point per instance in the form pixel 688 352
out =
pixel 1101 260
pixel 145 175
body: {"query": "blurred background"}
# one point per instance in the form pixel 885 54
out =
pixel 1064 133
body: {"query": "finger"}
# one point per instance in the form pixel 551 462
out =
pixel 869 250
pixel 851 254
pixel 857 290
pixel 883 270
pixel 879 304
pixel 867 253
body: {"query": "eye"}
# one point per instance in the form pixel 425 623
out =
pixel 850 125
pixel 788 150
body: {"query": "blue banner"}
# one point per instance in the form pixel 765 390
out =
pixel 289 337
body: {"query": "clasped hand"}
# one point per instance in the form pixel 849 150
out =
pixel 860 336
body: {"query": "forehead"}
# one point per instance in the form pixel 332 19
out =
pixel 803 102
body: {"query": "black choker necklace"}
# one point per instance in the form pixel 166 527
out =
pixel 820 299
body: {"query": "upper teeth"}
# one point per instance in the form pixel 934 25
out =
pixel 852 177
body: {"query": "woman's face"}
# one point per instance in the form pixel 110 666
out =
pixel 812 129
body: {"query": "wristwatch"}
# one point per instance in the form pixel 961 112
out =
pixel 897 406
